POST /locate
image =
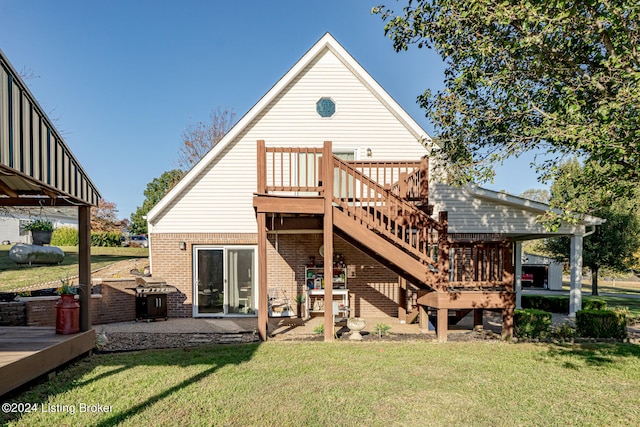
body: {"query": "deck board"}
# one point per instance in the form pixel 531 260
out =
pixel 26 352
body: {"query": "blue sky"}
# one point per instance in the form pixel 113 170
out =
pixel 122 79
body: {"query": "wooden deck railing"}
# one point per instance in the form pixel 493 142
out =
pixel 406 179
pixel 475 264
pixel 289 169
pixel 376 207
pixel 298 169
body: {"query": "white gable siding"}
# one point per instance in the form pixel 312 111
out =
pixel 220 199
pixel 471 214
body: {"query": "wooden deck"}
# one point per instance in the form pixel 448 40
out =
pixel 381 208
pixel 27 352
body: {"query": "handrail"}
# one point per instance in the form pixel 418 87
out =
pixel 407 179
pixel 292 169
pixel 379 209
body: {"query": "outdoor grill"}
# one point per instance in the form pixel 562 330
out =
pixel 151 298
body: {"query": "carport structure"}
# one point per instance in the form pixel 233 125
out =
pixel 38 169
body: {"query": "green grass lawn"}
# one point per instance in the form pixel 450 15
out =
pixel 613 301
pixel 359 384
pixel 13 276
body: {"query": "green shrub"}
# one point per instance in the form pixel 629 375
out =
pixel 105 239
pixel 552 304
pixel 319 329
pixel 560 303
pixel 64 236
pixel 68 236
pixel 564 331
pixel 593 304
pixel 601 324
pixel 531 323
pixel 632 319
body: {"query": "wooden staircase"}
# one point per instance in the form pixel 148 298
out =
pixel 453 276
pixel 391 229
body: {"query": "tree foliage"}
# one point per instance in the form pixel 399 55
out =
pixel 541 195
pixel 562 76
pixel 155 191
pixel 199 138
pixel 613 244
pixel 104 217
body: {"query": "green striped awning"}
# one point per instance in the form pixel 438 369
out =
pixel 36 165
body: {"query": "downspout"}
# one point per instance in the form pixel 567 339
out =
pixel 589 233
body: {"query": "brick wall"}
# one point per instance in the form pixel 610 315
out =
pixel 117 304
pixel 13 313
pixel 175 265
pixel 373 292
pixel 110 303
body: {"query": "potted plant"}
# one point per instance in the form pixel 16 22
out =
pixel 67 309
pixel 41 231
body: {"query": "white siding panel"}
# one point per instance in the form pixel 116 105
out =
pixel 220 199
pixel 470 214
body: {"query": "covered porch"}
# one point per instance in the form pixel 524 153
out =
pixel 37 169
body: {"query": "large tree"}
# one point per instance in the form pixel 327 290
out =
pixel 558 76
pixel 612 245
pixel 155 191
pixel 104 217
pixel 198 138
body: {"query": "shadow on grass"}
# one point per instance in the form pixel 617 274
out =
pixel 594 354
pixel 211 358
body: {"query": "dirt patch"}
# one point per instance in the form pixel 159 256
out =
pixel 123 269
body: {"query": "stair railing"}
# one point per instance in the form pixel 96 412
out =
pixel 377 208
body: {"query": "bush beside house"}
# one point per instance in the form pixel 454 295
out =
pixel 601 324
pixel 559 304
pixel 68 236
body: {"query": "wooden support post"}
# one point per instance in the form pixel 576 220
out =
pixel 84 266
pixel 507 265
pixel 424 319
pixel 507 322
pixel 261 153
pixel 263 297
pixel 402 300
pixel 424 180
pixel 327 183
pixel 478 324
pixel 443 324
pixel 403 188
pixel 443 249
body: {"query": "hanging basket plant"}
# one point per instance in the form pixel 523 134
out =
pixel 41 231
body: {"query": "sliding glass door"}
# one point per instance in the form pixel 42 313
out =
pixel 224 281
